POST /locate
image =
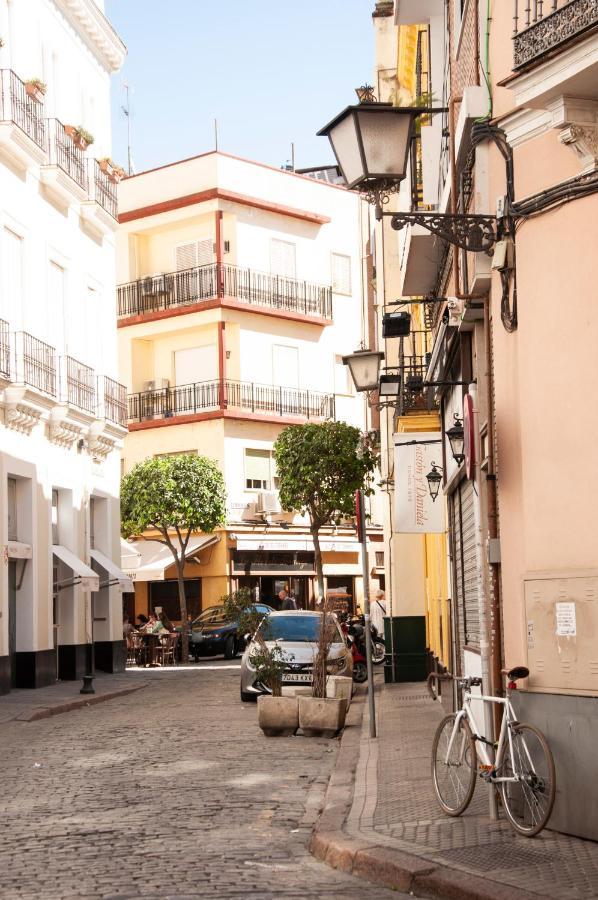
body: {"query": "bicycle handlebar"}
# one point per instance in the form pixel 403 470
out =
pixel 437 676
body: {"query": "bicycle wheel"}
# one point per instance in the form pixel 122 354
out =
pixel 454 773
pixel 378 653
pixel 528 801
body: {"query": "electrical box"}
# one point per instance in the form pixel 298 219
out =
pixel 562 623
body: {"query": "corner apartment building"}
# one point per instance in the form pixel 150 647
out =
pixel 239 292
pixel 518 147
pixel 62 411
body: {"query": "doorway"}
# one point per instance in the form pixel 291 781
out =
pixel 12 620
pixel 265 588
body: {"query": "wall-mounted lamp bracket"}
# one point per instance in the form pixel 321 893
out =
pixel 474 233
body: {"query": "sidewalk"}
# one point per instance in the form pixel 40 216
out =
pixel 27 705
pixel 381 820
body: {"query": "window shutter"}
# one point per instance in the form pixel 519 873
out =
pixel 341 273
pixel 282 258
pixel 11 301
pixel 285 366
pixel 204 252
pixel 257 468
pixel 194 253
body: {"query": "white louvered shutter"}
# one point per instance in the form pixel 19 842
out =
pixel 341 273
pixel 283 258
pixel 12 286
pixel 194 253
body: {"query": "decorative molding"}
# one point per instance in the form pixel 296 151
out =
pixel 98 443
pixel 60 430
pixel 470 232
pixel 95 29
pixel 570 21
pixel 577 121
pixel 525 125
pixel 584 141
pixel 21 417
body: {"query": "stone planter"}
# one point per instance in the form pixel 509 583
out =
pixel 278 716
pixel 321 717
pixel 340 687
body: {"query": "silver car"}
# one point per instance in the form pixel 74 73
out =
pixel 296 632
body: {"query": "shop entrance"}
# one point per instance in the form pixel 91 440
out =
pixel 265 588
pixel 343 587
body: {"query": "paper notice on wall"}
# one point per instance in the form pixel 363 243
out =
pixel 566 625
pixel 530 635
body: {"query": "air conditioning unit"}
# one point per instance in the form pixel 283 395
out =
pixel 268 503
pixel 158 384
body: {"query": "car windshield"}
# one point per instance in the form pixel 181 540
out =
pixel 294 628
pixel 210 617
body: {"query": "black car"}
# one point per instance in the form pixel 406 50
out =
pixel 212 633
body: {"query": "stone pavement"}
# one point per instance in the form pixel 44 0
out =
pixel 394 833
pixel 170 792
pixel 29 705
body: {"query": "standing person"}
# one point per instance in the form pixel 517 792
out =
pixel 127 627
pixel 286 601
pixel 378 611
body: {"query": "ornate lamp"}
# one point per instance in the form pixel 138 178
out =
pixel 456 437
pixel 434 479
pixel 364 366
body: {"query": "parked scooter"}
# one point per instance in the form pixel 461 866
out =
pixel 355 634
pixel 378 645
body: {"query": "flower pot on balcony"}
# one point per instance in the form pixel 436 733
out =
pixel 278 716
pixel 321 717
pixel 35 90
pixel 115 173
pixel 80 138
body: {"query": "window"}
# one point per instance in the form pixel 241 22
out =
pixel 341 273
pixel 282 258
pixel 11 297
pixel 196 364
pixel 285 366
pixel 56 310
pixel 379 559
pixel 194 253
pixel 12 509
pixel 260 470
pixel 343 383
pixel 55 516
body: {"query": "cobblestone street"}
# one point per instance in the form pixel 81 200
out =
pixel 171 791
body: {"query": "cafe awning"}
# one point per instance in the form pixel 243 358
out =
pixel 154 558
pixel 115 575
pixel 82 574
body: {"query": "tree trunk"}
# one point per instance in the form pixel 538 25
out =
pixel 183 605
pixel 315 533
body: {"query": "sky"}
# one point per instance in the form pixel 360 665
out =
pixel 272 72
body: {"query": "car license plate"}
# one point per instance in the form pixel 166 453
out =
pixel 297 676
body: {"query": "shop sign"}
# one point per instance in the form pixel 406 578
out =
pixel 305 545
pixel 415 511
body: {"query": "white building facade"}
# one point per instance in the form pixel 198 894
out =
pixel 62 414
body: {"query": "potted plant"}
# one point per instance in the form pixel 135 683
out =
pixel 278 716
pixel 320 715
pixel 35 89
pixel 80 137
pixel 114 172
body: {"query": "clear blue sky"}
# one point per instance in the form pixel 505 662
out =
pixel 270 71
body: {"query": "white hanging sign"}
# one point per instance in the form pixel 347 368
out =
pixel 415 511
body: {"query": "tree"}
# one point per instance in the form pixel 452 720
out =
pixel 180 494
pixel 320 466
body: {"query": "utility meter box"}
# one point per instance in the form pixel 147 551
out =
pixel 562 625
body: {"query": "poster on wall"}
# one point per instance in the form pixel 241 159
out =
pixel 415 511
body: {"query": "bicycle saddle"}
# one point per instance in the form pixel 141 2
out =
pixel 517 673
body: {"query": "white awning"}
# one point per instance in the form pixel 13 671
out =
pixel 155 558
pixel 115 575
pixel 297 542
pixel 83 575
pixel 18 550
pixel 129 554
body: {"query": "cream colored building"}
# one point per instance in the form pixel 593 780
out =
pixel 240 289
pixel 62 411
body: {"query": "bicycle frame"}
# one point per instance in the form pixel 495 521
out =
pixel 482 753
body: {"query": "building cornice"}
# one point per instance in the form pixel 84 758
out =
pixel 95 29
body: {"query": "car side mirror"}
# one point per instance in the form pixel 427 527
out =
pixel 247 638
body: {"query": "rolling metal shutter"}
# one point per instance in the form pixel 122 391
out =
pixel 467 606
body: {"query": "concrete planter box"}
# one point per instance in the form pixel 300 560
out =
pixel 340 687
pixel 278 716
pixel 321 717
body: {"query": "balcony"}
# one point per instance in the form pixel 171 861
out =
pixel 35 364
pixel 66 175
pixel 413 396
pixel 4 350
pixel 22 123
pixel 542 27
pixel 112 399
pixel 209 396
pixel 101 209
pixel 77 385
pixel 174 291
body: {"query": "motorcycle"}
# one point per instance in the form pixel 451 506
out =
pixel 378 645
pixel 354 631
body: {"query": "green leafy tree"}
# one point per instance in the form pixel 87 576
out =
pixel 320 466
pixel 177 495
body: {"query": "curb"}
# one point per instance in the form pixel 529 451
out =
pixel 45 712
pixel 385 866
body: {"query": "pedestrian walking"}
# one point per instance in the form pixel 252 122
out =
pixel 378 611
pixel 286 601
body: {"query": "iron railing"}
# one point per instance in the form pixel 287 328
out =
pixel 541 26
pixel 101 189
pixel 176 289
pixel 204 396
pixel 4 349
pixel 16 106
pixel 35 363
pixel 78 384
pixel 113 397
pixel 65 155
pixel 413 396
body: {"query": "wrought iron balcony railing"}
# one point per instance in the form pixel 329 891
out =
pixel 543 26
pixel 64 154
pixel 113 399
pixel 35 363
pixel 266 399
pixel 16 106
pixel 78 384
pixel 4 349
pixel 177 289
pixel 101 189
pixel 413 396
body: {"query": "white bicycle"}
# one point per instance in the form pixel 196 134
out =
pixel 522 768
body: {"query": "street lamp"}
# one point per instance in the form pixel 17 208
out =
pixel 364 366
pixel 434 478
pixel 389 385
pixel 456 437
